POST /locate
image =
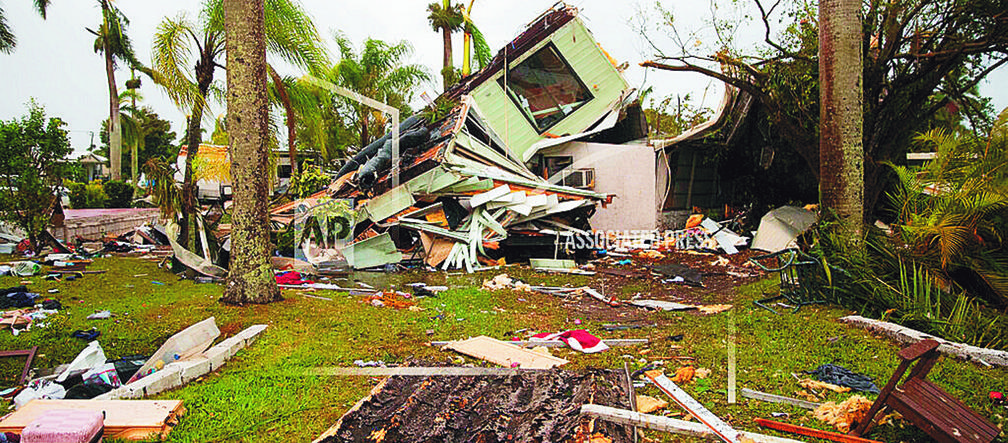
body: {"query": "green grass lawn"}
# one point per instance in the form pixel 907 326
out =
pixel 264 395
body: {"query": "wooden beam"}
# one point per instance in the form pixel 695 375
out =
pixel 787 427
pixel 718 426
pixel 763 396
pixel 667 424
pixel 559 344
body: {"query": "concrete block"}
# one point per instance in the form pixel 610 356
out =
pixel 193 368
pixel 163 380
pixel 217 355
pixel 169 378
pixel 251 333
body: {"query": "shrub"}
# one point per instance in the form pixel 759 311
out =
pixel 309 181
pixel 96 196
pixel 120 194
pixel 78 194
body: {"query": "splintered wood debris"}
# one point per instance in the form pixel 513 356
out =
pixel 528 406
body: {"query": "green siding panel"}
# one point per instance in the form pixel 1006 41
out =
pixel 576 44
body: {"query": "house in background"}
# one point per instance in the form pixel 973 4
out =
pixel 95 167
pixel 215 165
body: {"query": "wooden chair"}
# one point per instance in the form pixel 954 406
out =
pixel 927 406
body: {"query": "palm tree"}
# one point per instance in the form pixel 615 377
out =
pixel 7 40
pixel 133 131
pixel 473 37
pixel 249 138
pixel 289 34
pixel 112 42
pixel 446 18
pixel 377 72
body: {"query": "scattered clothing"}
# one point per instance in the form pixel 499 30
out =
pixel 291 278
pixel 680 274
pixel 87 335
pixel 100 315
pixel 25 268
pixel 17 297
pixel 51 305
pixel 578 340
pixel 839 375
pixel 44 389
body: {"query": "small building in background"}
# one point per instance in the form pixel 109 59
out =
pixel 95 167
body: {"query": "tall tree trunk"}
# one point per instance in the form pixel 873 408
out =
pixel 467 41
pixel 841 114
pixel 250 278
pixel 446 34
pixel 290 117
pixel 365 136
pixel 115 126
pixel 187 231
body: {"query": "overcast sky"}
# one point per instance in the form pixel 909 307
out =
pixel 54 61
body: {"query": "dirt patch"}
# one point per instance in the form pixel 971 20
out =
pixel 531 406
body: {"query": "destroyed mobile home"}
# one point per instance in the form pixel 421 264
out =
pixel 472 187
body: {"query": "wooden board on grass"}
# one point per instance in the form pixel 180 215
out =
pixel 504 354
pixel 124 419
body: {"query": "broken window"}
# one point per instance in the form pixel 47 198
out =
pixel 556 164
pixel 545 88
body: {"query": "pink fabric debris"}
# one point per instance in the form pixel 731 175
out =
pixel 577 339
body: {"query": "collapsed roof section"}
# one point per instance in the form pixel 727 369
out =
pixel 465 185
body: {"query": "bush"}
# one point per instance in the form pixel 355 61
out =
pixel 78 194
pixel 120 194
pixel 87 196
pixel 309 181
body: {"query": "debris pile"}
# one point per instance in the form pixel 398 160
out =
pixel 523 406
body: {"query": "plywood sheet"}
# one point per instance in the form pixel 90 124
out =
pixel 128 419
pixel 504 354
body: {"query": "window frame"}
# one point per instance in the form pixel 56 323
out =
pixel 513 95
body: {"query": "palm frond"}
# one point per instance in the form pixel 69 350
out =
pixel 7 39
pixel 171 57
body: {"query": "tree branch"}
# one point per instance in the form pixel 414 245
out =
pixel 740 84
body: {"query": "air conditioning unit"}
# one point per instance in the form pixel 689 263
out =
pixel 579 178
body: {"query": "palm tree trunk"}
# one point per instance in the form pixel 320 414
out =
pixel 187 229
pixel 290 117
pixel 467 44
pixel 250 278
pixel 115 126
pixel 445 72
pixel 841 151
pixel 365 136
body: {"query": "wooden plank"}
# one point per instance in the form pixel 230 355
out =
pixel 504 354
pixel 132 419
pixel 190 341
pixel 418 371
pixel 722 429
pixel 559 344
pixel 667 424
pixel 486 197
pixel 763 396
pixel 906 335
pixel 787 427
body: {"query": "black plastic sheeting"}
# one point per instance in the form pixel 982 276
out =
pixel 373 148
pixel 383 158
pixel 841 376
